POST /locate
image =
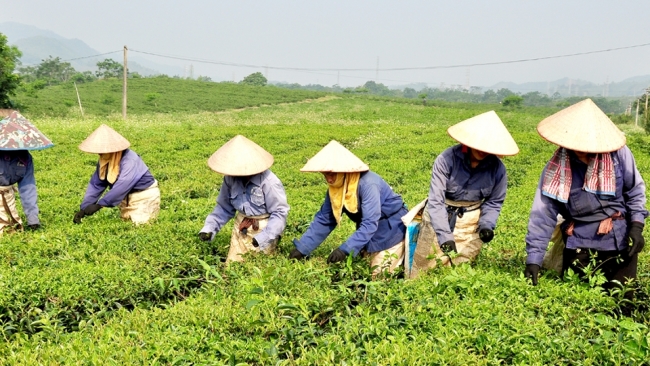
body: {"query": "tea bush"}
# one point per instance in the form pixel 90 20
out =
pixel 106 292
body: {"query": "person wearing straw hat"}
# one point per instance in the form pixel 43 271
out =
pixel 250 193
pixel 17 137
pixel 466 192
pixel 593 183
pixel 366 199
pixel 122 171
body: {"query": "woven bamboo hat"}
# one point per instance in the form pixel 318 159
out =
pixel 240 157
pixel 582 127
pixel 335 158
pixel 104 140
pixel 485 132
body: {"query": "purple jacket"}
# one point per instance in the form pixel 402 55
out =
pixel 453 178
pixel 134 176
pixel 586 210
pixel 378 219
pixel 262 194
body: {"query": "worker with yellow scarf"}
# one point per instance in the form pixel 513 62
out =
pixel 367 200
pixel 122 171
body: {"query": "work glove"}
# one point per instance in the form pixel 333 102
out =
pixel 337 255
pixel 531 271
pixel 34 227
pixel 295 254
pixel 91 209
pixel 205 236
pixel 448 246
pixel 78 216
pixel 486 235
pixel 636 237
pixel 255 243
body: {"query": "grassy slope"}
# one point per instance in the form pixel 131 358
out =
pixel 270 309
pixel 152 95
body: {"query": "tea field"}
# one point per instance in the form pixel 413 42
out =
pixel 107 292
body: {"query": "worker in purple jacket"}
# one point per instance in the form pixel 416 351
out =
pixel 466 192
pixel 122 171
pixel 250 193
pixel 17 137
pixel 593 183
pixel 367 200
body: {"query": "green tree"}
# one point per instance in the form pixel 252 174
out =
pixel 9 80
pixel 256 79
pixel 409 93
pixel 54 71
pixel 83 77
pixel 512 101
pixel 27 73
pixel 110 68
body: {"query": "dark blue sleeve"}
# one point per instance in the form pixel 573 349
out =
pixel 94 190
pixel 323 224
pixel 28 195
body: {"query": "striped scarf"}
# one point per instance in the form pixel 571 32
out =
pixel 599 179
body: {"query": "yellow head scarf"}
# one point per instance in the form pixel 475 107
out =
pixel 343 193
pixel 109 166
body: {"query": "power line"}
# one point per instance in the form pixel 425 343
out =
pixel 101 54
pixel 304 70
pixel 83 57
pixel 451 66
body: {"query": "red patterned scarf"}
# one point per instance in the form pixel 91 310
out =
pixel 599 179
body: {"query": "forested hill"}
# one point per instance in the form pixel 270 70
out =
pixel 150 95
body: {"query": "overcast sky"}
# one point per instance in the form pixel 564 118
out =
pixel 361 34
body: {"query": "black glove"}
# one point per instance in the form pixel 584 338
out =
pixel 205 236
pixel 91 209
pixel 531 271
pixel 34 227
pixel 295 254
pixel 78 216
pixel 448 246
pixel 337 255
pixel 636 236
pixel 486 235
pixel 255 243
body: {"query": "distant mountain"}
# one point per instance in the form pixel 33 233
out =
pixel 38 44
pixel 575 87
pixel 37 48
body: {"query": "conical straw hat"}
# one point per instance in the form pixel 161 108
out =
pixel 485 132
pixel 335 158
pixel 104 140
pixel 582 127
pixel 240 157
pixel 17 133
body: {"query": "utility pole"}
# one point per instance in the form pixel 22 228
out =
pixel 338 76
pixel 124 84
pixel 467 80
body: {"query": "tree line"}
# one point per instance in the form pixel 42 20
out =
pixel 54 71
